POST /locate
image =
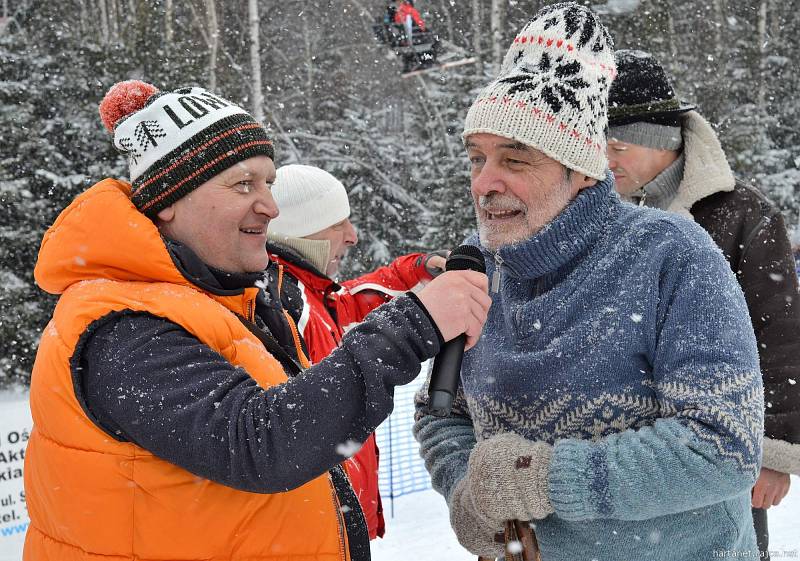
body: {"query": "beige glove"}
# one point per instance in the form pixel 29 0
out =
pixel 507 478
pixel 478 535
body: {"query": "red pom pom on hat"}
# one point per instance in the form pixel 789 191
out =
pixel 123 99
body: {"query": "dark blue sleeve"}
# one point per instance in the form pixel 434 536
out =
pixel 147 380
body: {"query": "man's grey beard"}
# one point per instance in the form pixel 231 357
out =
pixel 511 202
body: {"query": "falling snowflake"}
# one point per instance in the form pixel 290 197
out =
pixel 348 449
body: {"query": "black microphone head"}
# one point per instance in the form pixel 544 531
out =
pixel 466 258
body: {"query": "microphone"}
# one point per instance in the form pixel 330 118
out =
pixel 447 364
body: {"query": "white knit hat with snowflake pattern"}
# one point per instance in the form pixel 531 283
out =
pixel 552 91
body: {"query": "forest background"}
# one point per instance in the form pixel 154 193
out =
pixel 333 97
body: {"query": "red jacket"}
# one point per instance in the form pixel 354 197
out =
pixel 404 10
pixel 323 310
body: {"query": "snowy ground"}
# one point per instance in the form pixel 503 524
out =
pixel 420 530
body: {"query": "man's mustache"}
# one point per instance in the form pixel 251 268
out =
pixel 498 201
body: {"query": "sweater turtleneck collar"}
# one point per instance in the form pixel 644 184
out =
pixel 573 232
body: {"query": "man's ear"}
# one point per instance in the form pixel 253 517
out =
pixel 585 182
pixel 166 215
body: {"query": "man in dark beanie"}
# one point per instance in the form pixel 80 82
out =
pixel 173 415
pixel 665 155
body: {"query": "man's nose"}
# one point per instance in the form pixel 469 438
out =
pixel 487 181
pixel 350 234
pixel 265 204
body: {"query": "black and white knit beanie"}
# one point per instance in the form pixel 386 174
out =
pixel 176 141
pixel 552 90
pixel 643 108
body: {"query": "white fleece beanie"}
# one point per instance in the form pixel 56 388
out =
pixel 552 90
pixel 309 200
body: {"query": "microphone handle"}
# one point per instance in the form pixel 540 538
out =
pixel 445 376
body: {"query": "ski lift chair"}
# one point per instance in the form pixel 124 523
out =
pixel 423 51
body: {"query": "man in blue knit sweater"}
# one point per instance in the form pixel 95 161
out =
pixel 614 399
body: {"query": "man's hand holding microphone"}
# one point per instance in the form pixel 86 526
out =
pixel 464 318
pixel 458 301
pixel 495 492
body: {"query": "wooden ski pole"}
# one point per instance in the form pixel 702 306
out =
pixel 527 537
pixel 522 533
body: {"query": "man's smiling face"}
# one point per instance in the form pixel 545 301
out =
pixel 516 189
pixel 224 221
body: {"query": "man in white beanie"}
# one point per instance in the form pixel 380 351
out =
pixel 308 240
pixel 614 400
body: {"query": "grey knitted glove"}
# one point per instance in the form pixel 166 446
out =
pixel 478 535
pixel 507 478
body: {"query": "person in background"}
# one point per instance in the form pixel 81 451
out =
pixel 614 399
pixel 665 155
pixel 408 16
pixel 171 417
pixel 391 12
pixel 308 241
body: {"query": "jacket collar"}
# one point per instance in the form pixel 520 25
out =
pixel 300 268
pixel 661 191
pixel 706 170
pixel 572 233
pixel 210 279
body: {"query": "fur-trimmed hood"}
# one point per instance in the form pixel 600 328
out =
pixel 706 169
pixel 781 456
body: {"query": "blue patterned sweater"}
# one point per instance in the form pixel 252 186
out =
pixel 619 335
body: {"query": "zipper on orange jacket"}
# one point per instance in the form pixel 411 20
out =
pixel 307 364
pixel 339 518
pixel 251 312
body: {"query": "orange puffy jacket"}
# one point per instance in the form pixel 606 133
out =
pixel 91 497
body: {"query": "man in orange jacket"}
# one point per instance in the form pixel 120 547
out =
pixel 175 414
pixel 308 241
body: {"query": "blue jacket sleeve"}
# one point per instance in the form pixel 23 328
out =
pixel 148 381
pixel 707 446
